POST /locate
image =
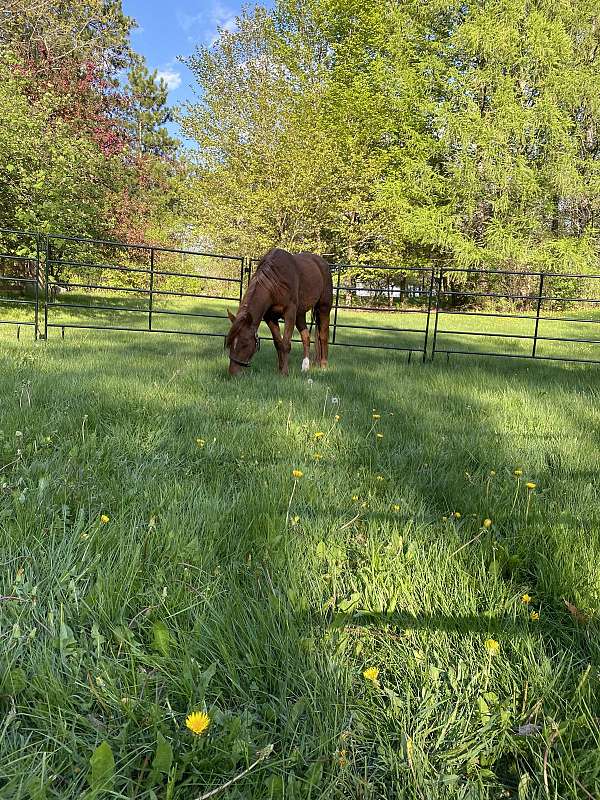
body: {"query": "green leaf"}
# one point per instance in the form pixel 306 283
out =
pixel 314 774
pixel 164 755
pixel 66 640
pixel 161 638
pixel 102 762
pixel 208 674
pixel 13 681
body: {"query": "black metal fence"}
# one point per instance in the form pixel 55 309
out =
pixel 149 277
pixel 59 282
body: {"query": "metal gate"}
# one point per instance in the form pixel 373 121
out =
pixel 52 282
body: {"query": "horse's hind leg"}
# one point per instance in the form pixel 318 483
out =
pixel 323 334
pixel 289 319
pixel 305 336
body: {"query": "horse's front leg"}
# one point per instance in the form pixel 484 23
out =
pixel 289 319
pixel 277 340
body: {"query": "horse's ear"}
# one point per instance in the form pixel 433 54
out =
pixel 231 316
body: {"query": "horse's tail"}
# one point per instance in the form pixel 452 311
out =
pixel 317 320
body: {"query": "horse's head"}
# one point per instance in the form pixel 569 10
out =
pixel 242 341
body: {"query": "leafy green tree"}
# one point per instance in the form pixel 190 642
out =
pixel 51 179
pixel 463 135
pixel 265 171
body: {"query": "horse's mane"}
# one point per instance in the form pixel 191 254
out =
pixel 241 319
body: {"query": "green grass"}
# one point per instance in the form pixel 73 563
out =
pixel 211 586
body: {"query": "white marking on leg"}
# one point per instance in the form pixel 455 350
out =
pixel 305 364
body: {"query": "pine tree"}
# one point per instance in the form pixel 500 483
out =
pixel 148 112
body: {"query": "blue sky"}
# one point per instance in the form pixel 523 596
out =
pixel 170 29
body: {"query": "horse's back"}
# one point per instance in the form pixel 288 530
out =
pixel 306 275
pixel 312 263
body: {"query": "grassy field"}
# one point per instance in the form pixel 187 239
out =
pixel 219 582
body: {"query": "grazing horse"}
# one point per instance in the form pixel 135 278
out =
pixel 284 286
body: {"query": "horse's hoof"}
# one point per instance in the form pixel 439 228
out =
pixel 305 364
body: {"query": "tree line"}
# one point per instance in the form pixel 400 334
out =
pixel 404 133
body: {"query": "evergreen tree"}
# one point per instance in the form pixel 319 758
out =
pixel 148 112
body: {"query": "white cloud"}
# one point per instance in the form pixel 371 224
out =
pixel 204 26
pixel 170 77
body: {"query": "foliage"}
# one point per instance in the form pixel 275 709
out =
pixel 40 154
pixel 402 133
pixel 81 153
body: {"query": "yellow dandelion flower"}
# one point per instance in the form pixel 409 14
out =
pixel 104 519
pixel 317 456
pixel 337 418
pixel 457 514
pixel 487 523
pixel 534 616
pixel 354 498
pixel 297 473
pixel 526 598
pixel 380 477
pixel 492 646
pixel 371 674
pixel 396 507
pixel 379 435
pixel 200 442
pixel 517 473
pixel 531 486
pixel 492 473
pixel 197 722
pixel 376 416
pixel 319 435
pixel 295 520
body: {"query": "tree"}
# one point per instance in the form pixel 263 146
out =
pixel 265 171
pixel 83 154
pixel 148 112
pixel 402 133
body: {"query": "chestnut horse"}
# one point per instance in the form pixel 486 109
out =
pixel 284 286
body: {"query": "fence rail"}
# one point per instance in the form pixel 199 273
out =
pixel 442 305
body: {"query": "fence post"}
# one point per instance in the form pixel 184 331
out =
pixel 428 312
pixel 337 302
pixel 46 274
pixel 537 314
pixel 151 297
pixel 37 287
pixel 244 265
pixel 437 311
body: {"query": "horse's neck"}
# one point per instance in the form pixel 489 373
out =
pixel 256 300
